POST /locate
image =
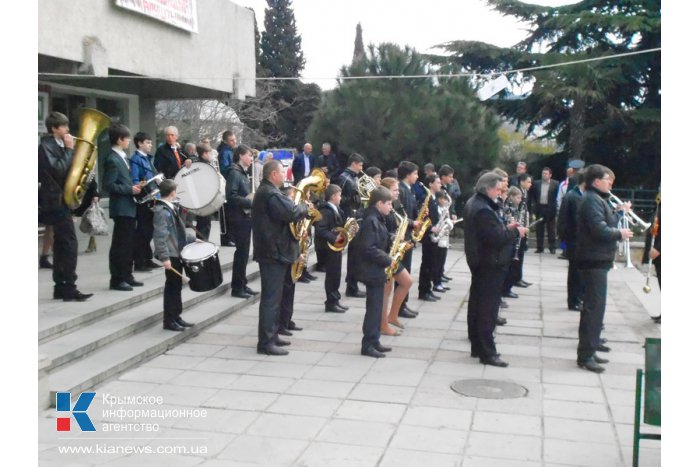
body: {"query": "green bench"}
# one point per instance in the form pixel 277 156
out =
pixel 652 395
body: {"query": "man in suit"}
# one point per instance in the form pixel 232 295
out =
pixel 117 182
pixel 487 244
pixel 55 158
pixel 303 164
pixel 520 169
pixel 169 158
pixel 543 203
pixel 275 249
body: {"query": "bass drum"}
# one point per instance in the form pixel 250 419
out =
pixel 201 189
pixel 200 261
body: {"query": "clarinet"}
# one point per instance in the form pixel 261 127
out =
pixel 522 219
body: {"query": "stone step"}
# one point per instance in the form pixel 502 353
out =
pixel 120 355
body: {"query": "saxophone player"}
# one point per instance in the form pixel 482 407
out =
pixel 407 172
pixel 55 157
pixel 428 264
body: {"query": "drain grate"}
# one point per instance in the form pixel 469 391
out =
pixel 489 389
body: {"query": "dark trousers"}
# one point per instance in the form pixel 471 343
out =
pixel 440 259
pixel 350 279
pixel 321 254
pixel 334 265
pixel 574 285
pixel 373 316
pixel 241 235
pixel 65 254
pixel 203 227
pixel 595 283
pixel 515 271
pixel 287 305
pixel 172 293
pixel 427 265
pixel 143 234
pixel 549 222
pixel 121 259
pixel 271 277
pixel 482 311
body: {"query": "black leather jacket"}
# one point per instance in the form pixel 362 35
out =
pixel 487 241
pixel 349 196
pixel 272 213
pixel 54 163
pixel 237 188
pixel 596 233
pixel 371 249
pixel 568 211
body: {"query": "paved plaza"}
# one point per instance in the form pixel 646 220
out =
pixel 326 405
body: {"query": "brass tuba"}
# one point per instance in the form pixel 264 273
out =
pixel 316 183
pixel 348 232
pixel 82 168
pixel 422 217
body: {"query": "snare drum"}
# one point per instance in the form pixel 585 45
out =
pixel 201 263
pixel 201 189
pixel 150 190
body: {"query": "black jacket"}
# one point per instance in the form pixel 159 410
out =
pixel 409 205
pixel 596 232
pixel 237 188
pixel 372 246
pixel 534 198
pixel 349 196
pixel 272 213
pixel 324 228
pixel 568 211
pixel 117 182
pixel 487 241
pixel 165 160
pixel 54 163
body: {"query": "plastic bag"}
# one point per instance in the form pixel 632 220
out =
pixel 94 221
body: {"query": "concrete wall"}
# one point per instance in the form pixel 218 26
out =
pixel 223 48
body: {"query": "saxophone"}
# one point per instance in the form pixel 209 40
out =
pixel 304 245
pixel 419 232
pixel 348 232
pixel 399 247
pixel 82 167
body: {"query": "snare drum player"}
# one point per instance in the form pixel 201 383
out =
pixel 117 182
pixel 169 238
pixel 142 169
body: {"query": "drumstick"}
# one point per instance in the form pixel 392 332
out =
pixel 176 272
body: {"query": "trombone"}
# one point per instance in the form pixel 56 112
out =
pixel 632 218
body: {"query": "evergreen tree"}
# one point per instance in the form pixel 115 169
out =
pixel 280 43
pixel 604 111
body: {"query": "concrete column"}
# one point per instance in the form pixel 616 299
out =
pixel 147 118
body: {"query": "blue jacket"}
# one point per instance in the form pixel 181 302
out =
pixel 225 158
pixel 299 166
pixel 141 167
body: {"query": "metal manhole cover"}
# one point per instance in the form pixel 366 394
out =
pixel 489 389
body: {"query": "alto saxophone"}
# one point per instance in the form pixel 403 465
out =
pixel 399 247
pixel 425 223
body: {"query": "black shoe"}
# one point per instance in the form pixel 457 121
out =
pixel 603 340
pixel 562 257
pixel 501 321
pixel 173 326
pixel 539 250
pixel 333 308
pixel 284 331
pixel 142 268
pixel 433 295
pixel 527 284
pixel 304 280
pixel 355 294
pixel 320 269
pixel 183 323
pixel 281 342
pixel 657 319
pixel 382 348
pixel 293 327
pixel 250 291
pixel 511 295
pixel 598 359
pixel 427 298
pixel 273 350
pixel 440 288
pixel 123 286
pixel 372 352
pixel 133 282
pixel 226 242
pixel 576 307
pixel 603 348
pixel 504 304
pixel 409 309
pixel 474 354
pixel 240 294
pixel 446 278
pixel 591 365
pixel 306 274
pixel 150 264
pixel 493 361
pixel 342 307
pixel 44 262
pixel 522 284
pixel 405 313
pixel 75 296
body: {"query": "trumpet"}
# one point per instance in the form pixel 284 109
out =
pixel 633 219
pixel 624 246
